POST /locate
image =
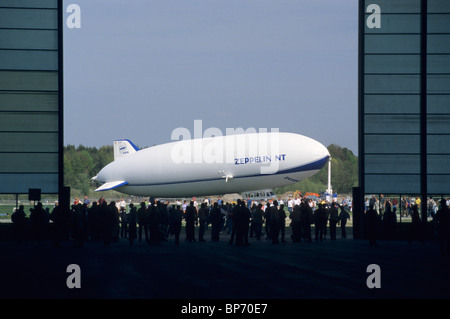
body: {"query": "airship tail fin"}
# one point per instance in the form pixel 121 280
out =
pixel 124 147
pixel 111 185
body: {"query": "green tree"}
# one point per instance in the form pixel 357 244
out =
pixel 344 174
pixel 83 163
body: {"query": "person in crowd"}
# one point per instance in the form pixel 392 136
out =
pixel 344 216
pixel 39 222
pixel 143 219
pixel 191 218
pixel 20 222
pixel 257 221
pixel 202 216
pixel 268 221
pixel 333 216
pixel 389 221
pixel 229 218
pixel 94 222
pixel 245 223
pixel 132 221
pixel 154 221
pixel 216 219
pixel 371 225
pixel 296 224
pixel 164 222
pixel 282 223
pixel 107 221
pixel 240 219
pixel 77 225
pixel 443 227
pixel 116 221
pixel 415 224
pixel 320 218
pixel 175 221
pixel 60 217
pixel 123 222
pixel 307 217
pixel 233 216
pixel 86 201
pixel 275 222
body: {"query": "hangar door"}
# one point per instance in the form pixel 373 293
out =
pixel 31 96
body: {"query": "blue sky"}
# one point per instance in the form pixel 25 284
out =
pixel 138 69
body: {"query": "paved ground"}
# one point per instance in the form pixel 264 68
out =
pixel 216 270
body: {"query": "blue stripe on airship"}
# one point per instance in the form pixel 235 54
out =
pixel 308 167
pixel 113 186
pixel 303 168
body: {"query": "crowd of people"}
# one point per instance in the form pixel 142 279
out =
pixel 155 221
pixel 380 213
pixel 403 206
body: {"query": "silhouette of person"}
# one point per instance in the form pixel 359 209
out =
pixel 101 200
pixel 191 220
pixel 77 226
pixel 229 219
pixel 252 223
pixel 326 208
pixel 101 216
pixel 239 221
pixel 320 218
pixel 175 219
pixel 94 222
pixel 108 222
pixel 333 215
pixel 244 221
pixel 164 221
pixel 39 221
pixel 234 216
pixel 116 222
pixel 143 219
pixel 216 222
pixel 389 221
pixel 154 223
pixel 275 222
pixel 123 222
pixel 20 221
pixel 202 212
pixel 415 224
pixel 267 218
pixel 282 222
pixel 296 224
pixel 443 227
pixel 371 225
pixel 306 221
pixel 57 217
pixel 343 217
pixel 132 220
pixel 257 220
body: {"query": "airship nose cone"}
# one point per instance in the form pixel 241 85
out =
pixel 103 175
pixel 317 150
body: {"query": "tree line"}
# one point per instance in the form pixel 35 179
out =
pixel 82 163
pixel 344 174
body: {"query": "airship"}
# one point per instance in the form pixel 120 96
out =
pixel 216 165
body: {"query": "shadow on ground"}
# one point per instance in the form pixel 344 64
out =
pixel 216 270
